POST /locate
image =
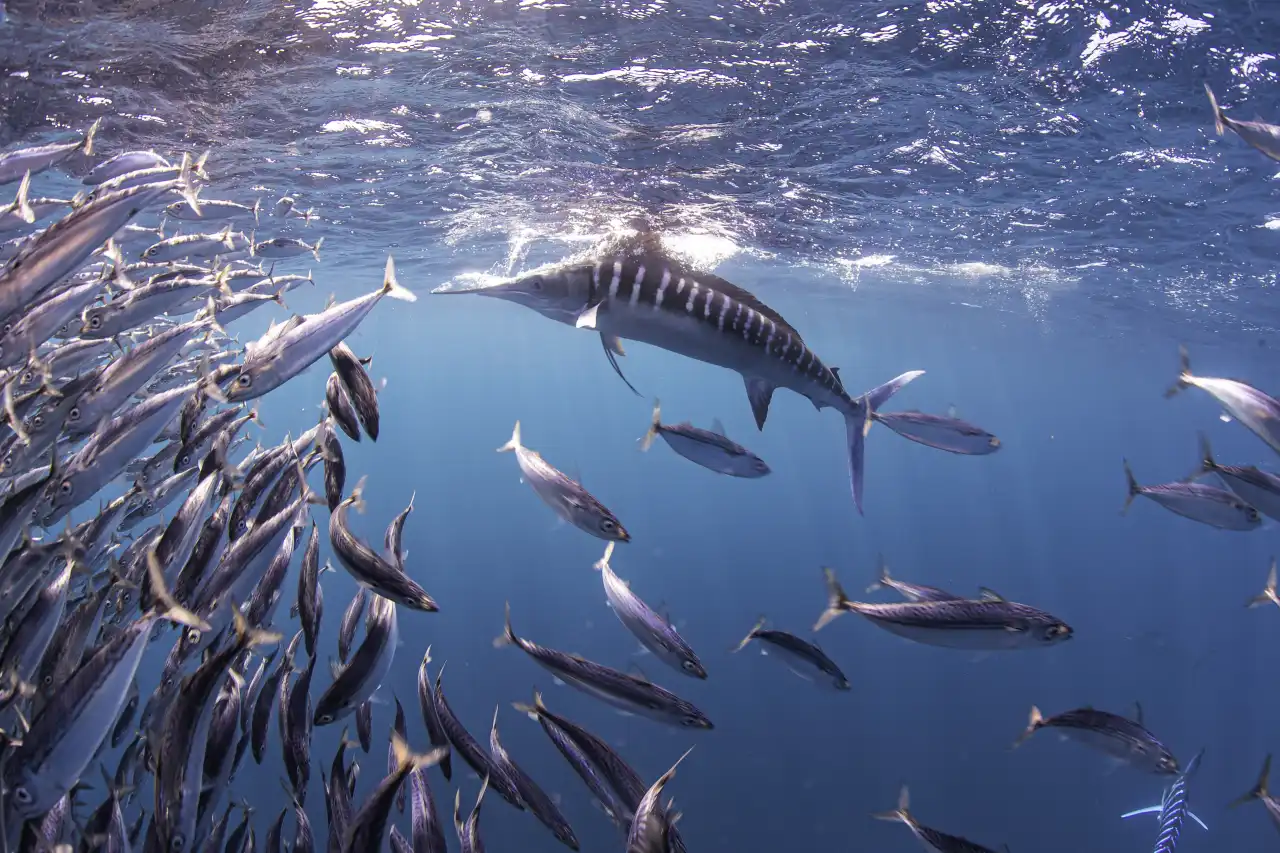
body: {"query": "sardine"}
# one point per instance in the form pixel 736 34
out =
pixel 567 497
pixel 654 631
pixel 369 665
pixel 708 448
pixel 628 693
pixel 803 658
pixel 535 799
pixel 359 387
pixel 1205 504
pixel 932 839
pixel 989 623
pixel 369 568
pixel 1117 736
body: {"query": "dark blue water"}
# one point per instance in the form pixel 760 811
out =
pixel 1026 201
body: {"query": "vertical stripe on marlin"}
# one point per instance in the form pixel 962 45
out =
pixel 711 298
pixel 613 284
pixel 636 285
pixel 662 288
pixel 693 294
pixel 724 309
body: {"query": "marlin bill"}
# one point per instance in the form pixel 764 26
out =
pixel 646 295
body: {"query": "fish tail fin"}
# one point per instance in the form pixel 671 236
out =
pixel 1207 462
pixel 406 759
pixel 356 498
pixel 1258 791
pixel 190 192
pixel 198 166
pixel 902 814
pixel 257 209
pixel 603 563
pixel 837 601
pixel 514 444
pixel 655 426
pixel 750 636
pixel 857 421
pixel 1218 124
pixel 508 637
pixel 1134 488
pixel 671 773
pixel 1269 591
pixel 170 608
pixel 1034 723
pixel 20 203
pixel 883 578
pixel 315 251
pixel 248 636
pixel 86 147
pixel 390 284
pixel 1184 373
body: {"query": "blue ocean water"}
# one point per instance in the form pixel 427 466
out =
pixel 1026 200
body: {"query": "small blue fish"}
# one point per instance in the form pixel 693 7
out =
pixel 708 448
pixel 1257 410
pixel 1206 504
pixel 1173 810
pixel 1254 486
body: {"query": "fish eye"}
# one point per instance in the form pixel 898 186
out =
pixel 47 680
pixel 38 421
pixel 536 283
pixel 27 377
pixel 22 795
pixel 691 722
pixel 65 488
pixel 178 842
pixel 193 635
pixel 74 414
pixel 95 322
pixel 608 526
pixel 325 719
pixel 1053 632
pixel 688 666
pixel 245 380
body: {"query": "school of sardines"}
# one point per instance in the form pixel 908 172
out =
pixel 122 390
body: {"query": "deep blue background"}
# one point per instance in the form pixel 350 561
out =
pixel 1028 202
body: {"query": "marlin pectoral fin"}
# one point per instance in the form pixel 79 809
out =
pixel 587 319
pixel 612 349
pixel 760 393
pixel 1192 815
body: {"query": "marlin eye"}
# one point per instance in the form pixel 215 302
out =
pixel 22 795
pixel 65 488
pixel 74 414
pixel 536 284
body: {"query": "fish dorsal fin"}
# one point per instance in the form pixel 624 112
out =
pixel 1137 713
pixel 990 594
pixel 760 393
pixel 718 428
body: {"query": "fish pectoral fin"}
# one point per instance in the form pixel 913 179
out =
pixel 587 319
pixel 1194 817
pixel 760 393
pixel 1148 810
pixel 613 349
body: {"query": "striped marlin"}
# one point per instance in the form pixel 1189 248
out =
pixel 1173 810
pixel 647 296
